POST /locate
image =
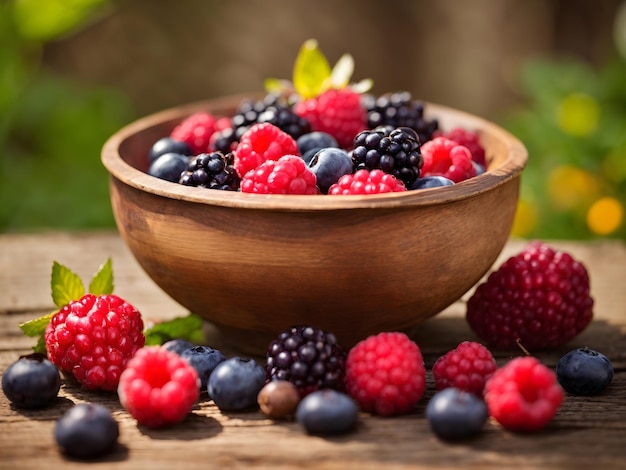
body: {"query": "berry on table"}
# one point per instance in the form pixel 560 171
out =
pixel 523 395
pixel 367 182
pixel 86 430
pixel 539 298
pixel 31 382
pixel 93 339
pixel 287 175
pixel 204 359
pixel 158 388
pixel 168 145
pixel 235 383
pixel 468 139
pixel 196 131
pixel 211 170
pixel 328 165
pixel 385 374
pixel 169 166
pixel 278 399
pixel 445 157
pixel 455 414
pixel 327 412
pixel 584 371
pixel 467 367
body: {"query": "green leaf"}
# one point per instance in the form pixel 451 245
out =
pixel 278 86
pixel 102 281
pixel 342 72
pixel 188 327
pixel 65 284
pixel 37 326
pixel 311 72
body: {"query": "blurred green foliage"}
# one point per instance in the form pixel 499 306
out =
pixel 51 129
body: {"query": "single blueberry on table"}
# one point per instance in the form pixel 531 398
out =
pixel 330 164
pixel 31 382
pixel 169 167
pixel 327 412
pixel 584 371
pixel 454 414
pixel 235 384
pixel 168 145
pixel 204 359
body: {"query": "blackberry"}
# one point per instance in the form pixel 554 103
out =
pixel 399 109
pixel 211 170
pixel 395 151
pixel 308 357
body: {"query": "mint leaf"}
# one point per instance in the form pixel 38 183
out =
pixel 102 281
pixel 311 71
pixel 188 327
pixel 37 326
pixel 65 284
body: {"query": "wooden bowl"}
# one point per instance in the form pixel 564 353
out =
pixel 254 265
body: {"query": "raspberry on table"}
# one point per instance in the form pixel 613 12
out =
pixel 385 374
pixel 468 139
pixel 467 367
pixel 262 142
pixel 93 339
pixel 367 182
pixel 158 387
pixel 539 298
pixel 196 131
pixel 338 112
pixel 445 157
pixel 287 175
pixel 523 395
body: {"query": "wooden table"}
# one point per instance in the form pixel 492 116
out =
pixel 586 433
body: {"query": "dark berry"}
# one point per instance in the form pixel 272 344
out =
pixel 328 165
pixel 204 359
pixel 327 412
pixel 169 166
pixel 315 140
pixel 431 182
pixel 584 371
pixel 31 382
pixel 86 430
pixel 235 384
pixel 279 399
pixel 168 145
pixel 455 414
pixel 177 345
pixel 211 170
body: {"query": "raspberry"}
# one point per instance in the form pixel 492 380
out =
pixel 539 297
pixel 367 182
pixel 93 339
pixel 287 175
pixel 468 139
pixel 158 387
pixel 444 157
pixel 523 395
pixel 308 357
pixel 196 131
pixel 259 143
pixel 339 113
pixel 385 374
pixel 466 368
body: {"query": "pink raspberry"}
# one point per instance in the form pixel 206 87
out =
pixel 262 142
pixel 93 339
pixel 385 374
pixel 539 297
pixel 287 175
pixel 158 388
pixel 466 367
pixel 338 112
pixel 468 139
pixel 523 395
pixel 196 131
pixel 445 157
pixel 367 182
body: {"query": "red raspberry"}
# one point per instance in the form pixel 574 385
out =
pixel 467 368
pixel 196 131
pixel 539 297
pixel 339 113
pixel 468 139
pixel 287 175
pixel 93 338
pixel 523 395
pixel 367 182
pixel 444 157
pixel 158 387
pixel 385 374
pixel 262 142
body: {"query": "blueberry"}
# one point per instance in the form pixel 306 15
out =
pixel 584 371
pixel 309 154
pixel 326 412
pixel 204 360
pixel 168 145
pixel 330 164
pixel 431 182
pixel 454 414
pixel 315 140
pixel 169 166
pixel 235 384
pixel 31 382
pixel 86 430
pixel 177 345
pixel 479 168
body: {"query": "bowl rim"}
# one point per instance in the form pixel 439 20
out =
pixel 510 168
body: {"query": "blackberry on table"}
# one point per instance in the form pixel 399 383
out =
pixel 211 170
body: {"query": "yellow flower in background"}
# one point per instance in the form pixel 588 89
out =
pixel 605 216
pixel 579 114
pixel 525 220
pixel 569 187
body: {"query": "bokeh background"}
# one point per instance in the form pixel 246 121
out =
pixel 553 72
